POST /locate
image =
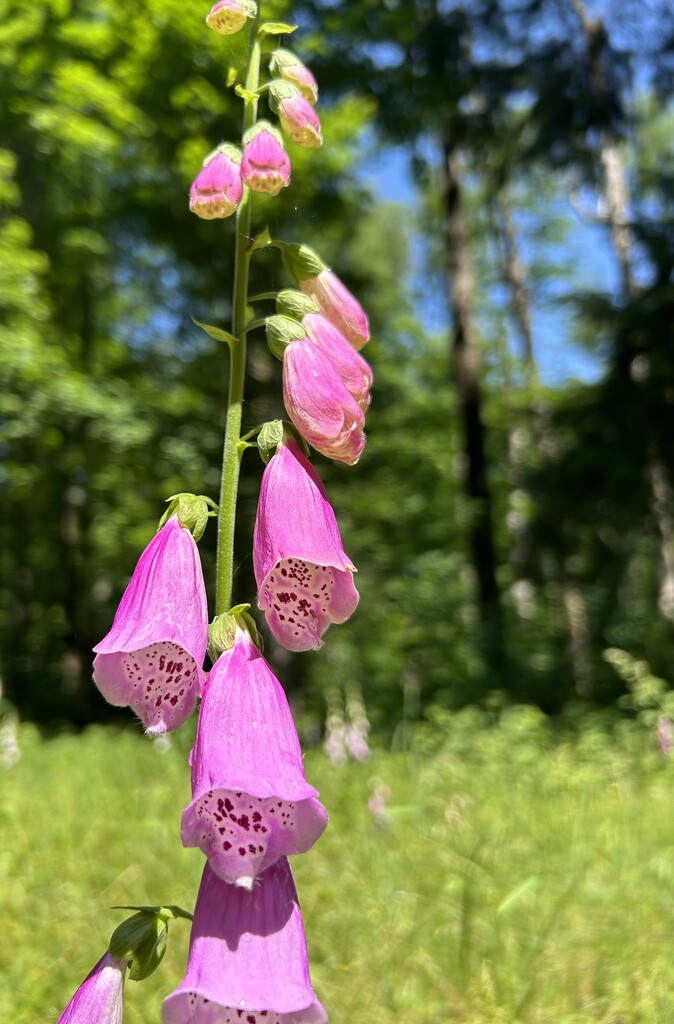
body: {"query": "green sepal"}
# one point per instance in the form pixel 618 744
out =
pixel 300 260
pixel 231 151
pixel 141 939
pixel 222 631
pixel 171 911
pixel 281 89
pixel 281 330
pixel 273 433
pixel 193 511
pixel 290 302
pixel 216 333
pixel 276 28
pixel 281 59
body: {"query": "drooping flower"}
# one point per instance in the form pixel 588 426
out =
pixel 319 404
pixel 304 577
pixel 251 802
pixel 265 165
pixel 228 17
pixel 99 999
pixel 286 65
pixel 340 307
pixel 217 189
pixel 153 655
pixel 298 118
pixel 353 370
pixel 247 962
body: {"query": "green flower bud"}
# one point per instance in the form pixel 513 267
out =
pixel 193 511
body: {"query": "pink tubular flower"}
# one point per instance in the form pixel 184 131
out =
pixel 228 17
pixel 338 304
pixel 355 373
pixel 152 657
pixel 251 801
pixel 99 999
pixel 265 166
pixel 217 189
pixel 248 960
pixel 298 118
pixel 304 578
pixel 319 404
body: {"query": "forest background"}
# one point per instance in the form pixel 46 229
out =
pixel 497 187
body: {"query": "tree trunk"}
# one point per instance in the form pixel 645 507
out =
pixel 467 371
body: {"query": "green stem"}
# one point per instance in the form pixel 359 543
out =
pixel 233 449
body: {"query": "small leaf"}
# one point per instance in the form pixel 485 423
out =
pixel 518 893
pixel 232 74
pixel 261 241
pixel 276 28
pixel 215 332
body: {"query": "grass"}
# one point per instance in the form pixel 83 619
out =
pixel 520 878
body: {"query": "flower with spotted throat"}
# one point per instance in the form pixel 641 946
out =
pixel 152 657
pixel 304 577
pixel 251 802
pixel 247 962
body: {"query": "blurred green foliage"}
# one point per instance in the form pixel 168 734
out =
pixel 111 399
pixel 503 871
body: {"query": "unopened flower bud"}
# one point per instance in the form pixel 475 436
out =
pixel 286 65
pixel 319 403
pixel 228 17
pixel 217 189
pixel 265 166
pixel 298 118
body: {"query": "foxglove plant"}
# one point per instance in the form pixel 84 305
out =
pixel 251 804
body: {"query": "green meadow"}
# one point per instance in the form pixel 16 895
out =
pixel 515 874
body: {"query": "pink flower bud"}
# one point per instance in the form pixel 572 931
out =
pixel 298 118
pixel 217 189
pixel 319 404
pixel 354 372
pixel 338 304
pixel 304 577
pixel 286 65
pixel 265 166
pixel 229 16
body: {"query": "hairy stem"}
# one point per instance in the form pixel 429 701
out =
pixel 233 449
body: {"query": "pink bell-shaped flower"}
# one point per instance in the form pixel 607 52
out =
pixel 353 370
pixel 265 165
pixel 99 999
pixel 153 655
pixel 319 403
pixel 248 961
pixel 298 118
pixel 217 189
pixel 227 17
pixel 251 801
pixel 304 578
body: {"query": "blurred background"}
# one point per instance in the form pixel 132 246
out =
pixel 497 187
